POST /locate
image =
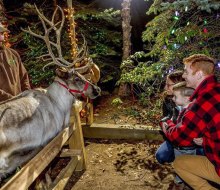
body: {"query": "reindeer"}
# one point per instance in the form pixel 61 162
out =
pixel 33 118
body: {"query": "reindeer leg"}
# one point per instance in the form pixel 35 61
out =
pixel 16 160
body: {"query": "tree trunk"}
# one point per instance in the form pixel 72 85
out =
pixel 124 89
pixel 126 28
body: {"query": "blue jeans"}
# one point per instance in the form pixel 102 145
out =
pixel 165 153
pixel 200 151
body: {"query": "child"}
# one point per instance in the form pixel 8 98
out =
pixel 181 95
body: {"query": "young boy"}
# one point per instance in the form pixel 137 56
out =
pixel 181 95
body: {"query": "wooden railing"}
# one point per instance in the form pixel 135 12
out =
pixel 76 151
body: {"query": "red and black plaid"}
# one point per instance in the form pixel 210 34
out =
pixel 202 119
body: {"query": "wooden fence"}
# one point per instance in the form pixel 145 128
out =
pixel 71 136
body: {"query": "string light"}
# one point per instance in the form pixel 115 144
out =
pixel 176 16
pixel 6 37
pixel 205 30
pixel 171 69
pixel 72 33
pixel 177 13
pixel 164 47
pixel 218 64
pixel 176 46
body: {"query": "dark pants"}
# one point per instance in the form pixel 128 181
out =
pixel 165 153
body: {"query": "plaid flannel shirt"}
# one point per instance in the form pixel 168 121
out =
pixel 202 119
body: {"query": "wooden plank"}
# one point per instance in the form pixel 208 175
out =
pixel 89 113
pixel 70 152
pixel 24 178
pixel 76 141
pixel 113 131
pixel 64 176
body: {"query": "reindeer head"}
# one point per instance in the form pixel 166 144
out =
pixel 76 84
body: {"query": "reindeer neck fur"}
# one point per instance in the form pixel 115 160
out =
pixel 63 98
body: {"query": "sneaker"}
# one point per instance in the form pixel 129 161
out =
pixel 186 187
pixel 178 186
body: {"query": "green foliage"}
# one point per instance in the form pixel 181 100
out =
pixel 150 113
pixel 95 25
pixel 153 109
pixel 145 74
pixel 132 111
pixel 203 5
pixel 183 5
pixel 180 29
pixel 152 103
pixel 103 33
pixel 117 102
pixel 101 29
pixel 34 65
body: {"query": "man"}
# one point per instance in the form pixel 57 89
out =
pixel 201 120
pixel 13 78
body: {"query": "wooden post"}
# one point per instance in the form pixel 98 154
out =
pixel 89 113
pixel 76 141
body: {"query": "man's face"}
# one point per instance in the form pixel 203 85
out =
pixel 189 76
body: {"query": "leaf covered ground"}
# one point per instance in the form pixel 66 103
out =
pixel 121 164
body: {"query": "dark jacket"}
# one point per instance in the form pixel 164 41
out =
pixel 169 109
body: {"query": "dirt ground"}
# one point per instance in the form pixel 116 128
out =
pixel 120 164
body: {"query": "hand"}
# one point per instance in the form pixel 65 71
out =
pixel 198 141
pixel 165 118
pixel 163 126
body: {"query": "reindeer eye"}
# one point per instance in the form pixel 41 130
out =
pixel 77 79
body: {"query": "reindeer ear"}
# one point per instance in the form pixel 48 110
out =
pixel 62 72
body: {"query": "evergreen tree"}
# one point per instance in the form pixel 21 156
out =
pixel 101 28
pixel 182 28
pixel 179 29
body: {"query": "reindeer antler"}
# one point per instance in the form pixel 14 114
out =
pixel 57 27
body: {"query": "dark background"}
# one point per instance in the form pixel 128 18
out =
pixel 138 13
